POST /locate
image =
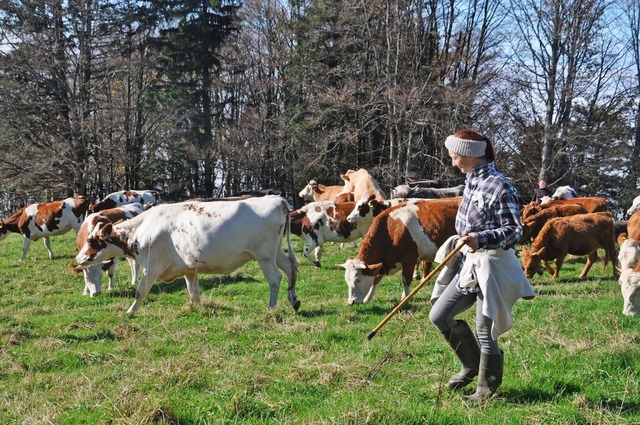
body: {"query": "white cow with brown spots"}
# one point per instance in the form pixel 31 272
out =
pixel 43 220
pixel 189 238
pixel 398 238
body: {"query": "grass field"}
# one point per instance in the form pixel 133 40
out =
pixel 571 357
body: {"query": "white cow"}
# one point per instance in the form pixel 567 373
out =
pixel 93 273
pixel 187 238
pixel 630 287
pixel 564 192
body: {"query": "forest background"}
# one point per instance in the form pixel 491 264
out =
pixel 207 98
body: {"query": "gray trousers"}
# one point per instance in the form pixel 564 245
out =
pixel 451 303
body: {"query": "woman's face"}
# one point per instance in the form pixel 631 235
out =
pixel 466 164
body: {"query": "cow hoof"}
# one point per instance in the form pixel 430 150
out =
pixel 317 264
pixel 296 306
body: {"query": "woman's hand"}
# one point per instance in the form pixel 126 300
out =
pixel 471 239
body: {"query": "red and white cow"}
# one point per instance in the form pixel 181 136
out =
pixel 43 220
pixel 398 238
pixel 362 184
pixel 318 192
pixel 319 222
pixel 124 197
pixel 367 208
pixel 93 273
pixel 187 238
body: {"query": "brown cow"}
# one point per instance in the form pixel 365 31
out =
pixel 398 238
pixel 580 234
pixel 591 204
pixel 43 220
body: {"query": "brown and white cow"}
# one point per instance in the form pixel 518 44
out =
pixel 43 220
pixel 318 192
pixel 398 238
pixel 580 234
pixel 93 273
pixel 591 203
pixel 362 184
pixel 319 222
pixel 124 197
pixel 188 238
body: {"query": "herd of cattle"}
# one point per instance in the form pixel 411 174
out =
pixel 398 234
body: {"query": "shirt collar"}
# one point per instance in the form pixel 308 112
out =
pixel 481 171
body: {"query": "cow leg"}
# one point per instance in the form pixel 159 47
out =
pixel 548 267
pixel 290 268
pixel 559 262
pixel 591 258
pixel 25 247
pixel 146 281
pixel 133 264
pixel 273 275
pixel 372 290
pixel 193 286
pixel 47 244
pixel 111 271
pixel 311 246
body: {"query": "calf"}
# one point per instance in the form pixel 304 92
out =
pixel 123 197
pixel 398 238
pixel 580 234
pixel 318 192
pixel 591 204
pixel 188 238
pixel 44 220
pixel 406 191
pixel 630 287
pixel 93 273
pixel 320 222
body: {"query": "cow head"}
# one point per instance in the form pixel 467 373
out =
pixel 100 246
pixel 309 190
pixel 360 278
pixel 531 260
pixel 629 253
pixel 630 287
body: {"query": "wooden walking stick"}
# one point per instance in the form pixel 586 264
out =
pixel 415 290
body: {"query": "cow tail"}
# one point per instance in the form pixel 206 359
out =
pixel 292 257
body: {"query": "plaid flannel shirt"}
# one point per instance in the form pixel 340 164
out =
pixel 490 209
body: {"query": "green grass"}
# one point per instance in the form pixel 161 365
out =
pixel 571 357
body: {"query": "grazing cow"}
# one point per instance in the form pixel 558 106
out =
pixel 564 192
pixel 406 191
pixel 93 273
pixel 320 222
pixel 398 238
pixel 629 254
pixel 124 197
pixel 532 225
pixel 590 203
pixel 361 183
pixel 630 287
pixel 188 238
pixel 580 234
pixel 44 220
pixel 318 192
pixel 635 206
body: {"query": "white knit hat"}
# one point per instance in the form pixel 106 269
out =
pixel 465 147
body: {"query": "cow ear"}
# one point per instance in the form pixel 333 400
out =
pixel 537 253
pixel 105 232
pixel 374 268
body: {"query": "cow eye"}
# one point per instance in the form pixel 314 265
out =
pixel 95 243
